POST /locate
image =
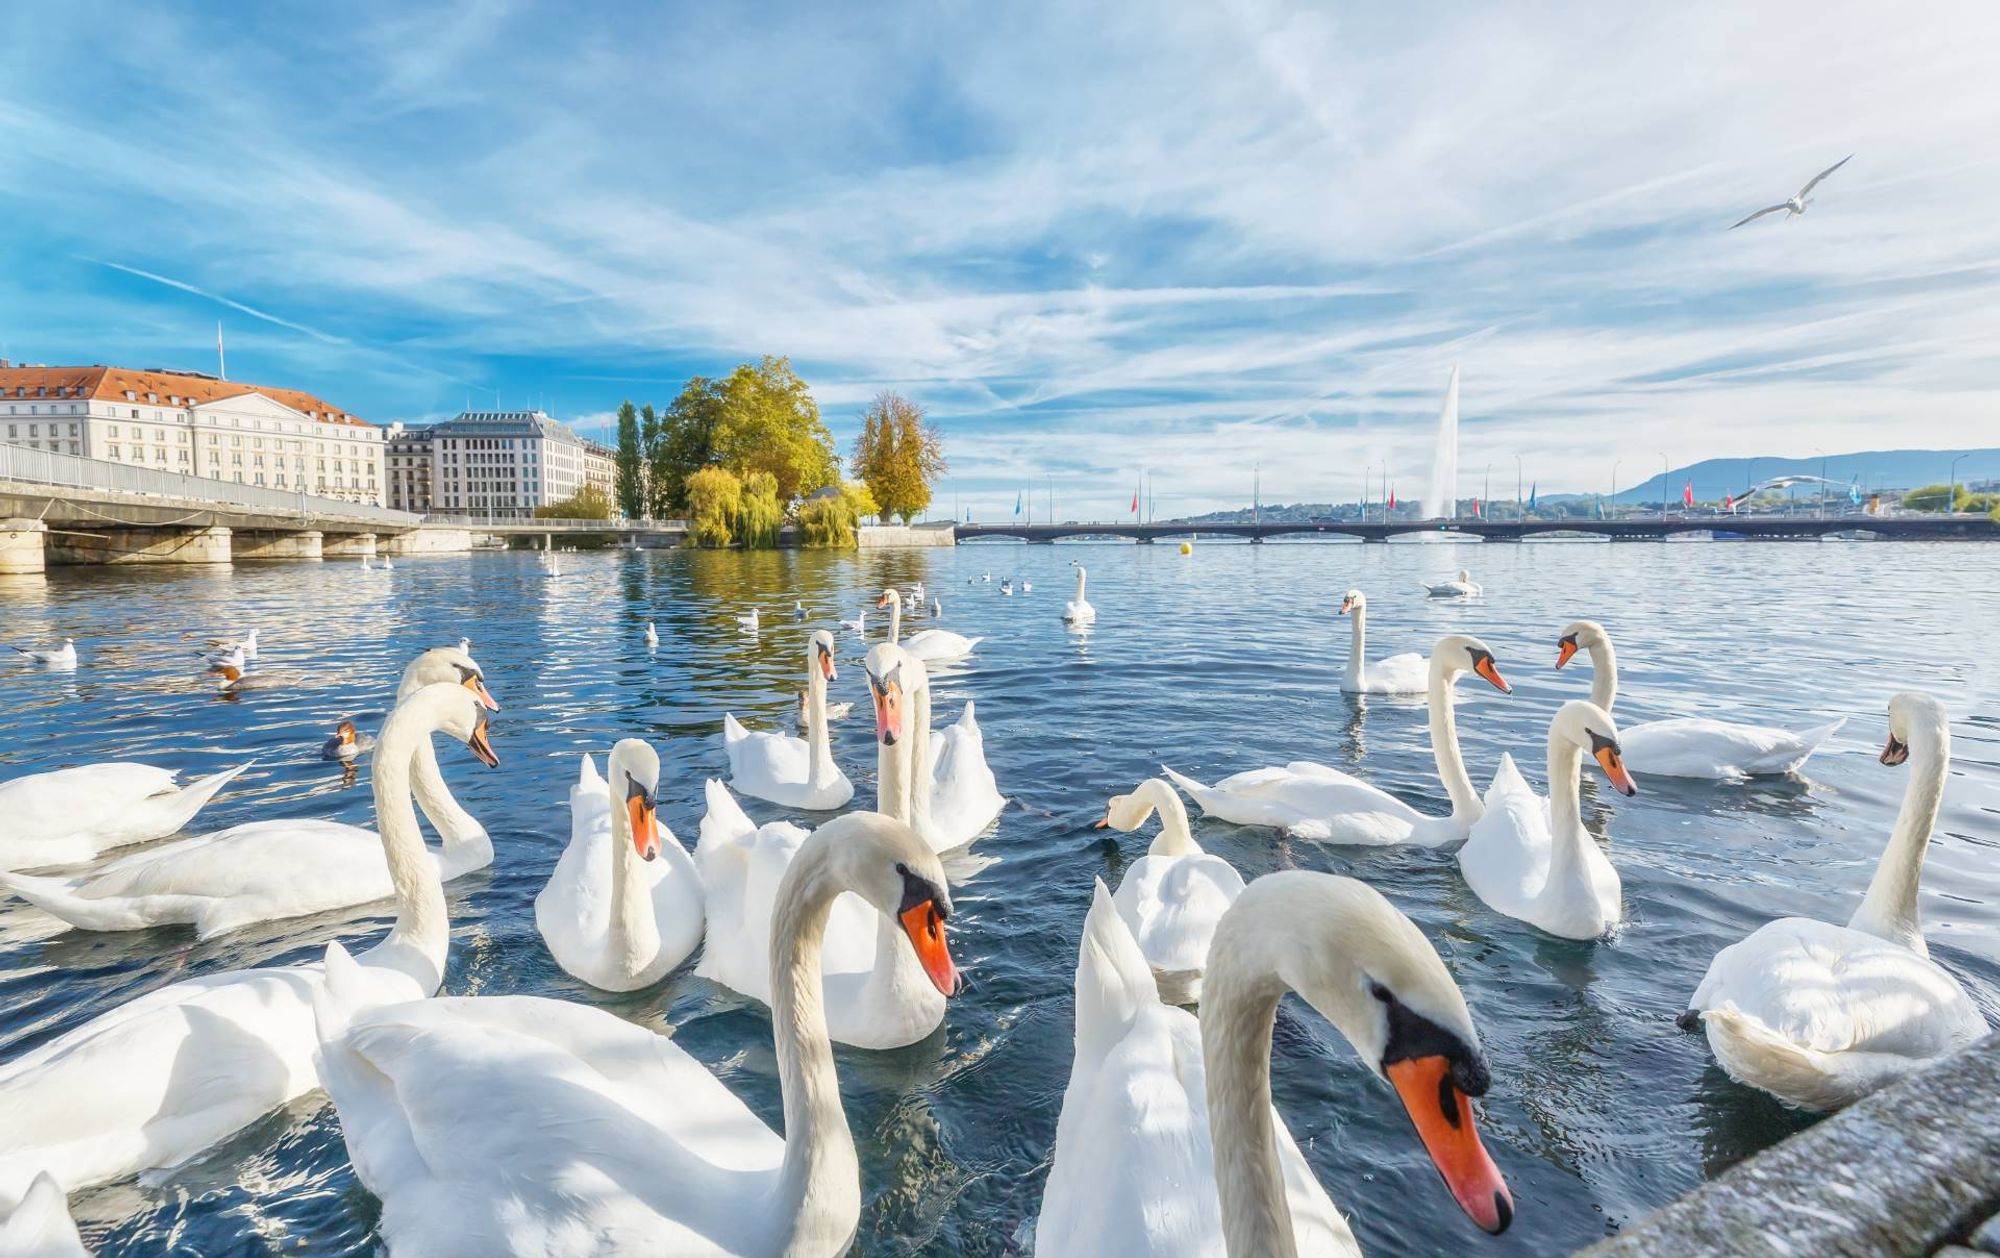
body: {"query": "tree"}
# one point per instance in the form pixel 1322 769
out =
pixel 759 515
pixel 588 503
pixel 767 421
pixel 683 444
pixel 631 463
pixel 829 520
pixel 899 455
pixel 1932 498
pixel 714 501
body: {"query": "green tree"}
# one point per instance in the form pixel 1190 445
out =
pixel 714 503
pixel 899 455
pixel 631 463
pixel 1932 498
pixel 759 514
pixel 683 443
pixel 830 520
pixel 767 421
pixel 588 503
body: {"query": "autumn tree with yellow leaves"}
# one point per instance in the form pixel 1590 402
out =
pixel 899 455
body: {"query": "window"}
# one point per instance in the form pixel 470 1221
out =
pixel 111 431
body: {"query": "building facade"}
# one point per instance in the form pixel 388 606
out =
pixel 195 425
pixel 507 463
pixel 407 467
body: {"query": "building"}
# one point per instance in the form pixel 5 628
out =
pixel 196 425
pixel 507 463
pixel 407 467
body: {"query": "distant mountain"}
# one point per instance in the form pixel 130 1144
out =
pixel 1877 469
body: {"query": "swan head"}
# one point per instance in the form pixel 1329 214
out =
pixel 456 710
pixel 1352 601
pixel 1462 653
pixel 893 675
pixel 1912 715
pixel 1579 635
pixel 889 865
pixel 633 772
pixel 1591 730
pixel 1465 576
pixel 447 664
pixel 1127 813
pixel 890 595
pixel 819 655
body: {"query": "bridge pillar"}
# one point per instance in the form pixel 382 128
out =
pixel 140 546
pixel 548 542
pixel 1256 539
pixel 21 546
pixel 426 541
pixel 348 546
pixel 1146 541
pixel 265 544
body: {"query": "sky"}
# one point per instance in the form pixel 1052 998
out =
pixel 1206 242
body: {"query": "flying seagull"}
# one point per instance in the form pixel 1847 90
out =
pixel 1797 205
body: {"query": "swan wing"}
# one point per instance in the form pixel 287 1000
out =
pixel 40 1225
pixel 1699 747
pixel 1505 859
pixel 965 796
pixel 1408 673
pixel 1172 903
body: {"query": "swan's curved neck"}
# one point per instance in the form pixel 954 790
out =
pixel 819 1189
pixel 1889 910
pixel 634 932
pixel 1466 807
pixel 896 618
pixel 1175 837
pixel 919 752
pixel 819 742
pixel 465 840
pixel 1079 585
pixel 1565 812
pixel 1603 673
pixel 419 942
pixel 1239 1008
pixel 1357 643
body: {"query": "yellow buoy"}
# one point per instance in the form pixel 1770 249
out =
pixel 1187 548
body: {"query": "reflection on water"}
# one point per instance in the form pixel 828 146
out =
pixel 1223 660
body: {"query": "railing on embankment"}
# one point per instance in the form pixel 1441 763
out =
pixel 24 466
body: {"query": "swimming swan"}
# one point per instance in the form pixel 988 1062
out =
pixel 1078 610
pixel 932 646
pixel 1405 674
pixel 782 768
pixel 1172 897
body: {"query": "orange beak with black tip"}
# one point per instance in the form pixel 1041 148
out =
pixel 477 685
pixel 1346 605
pixel 1895 751
pixel 826 665
pixel 888 710
pixel 644 819
pixel 1566 649
pixel 1613 765
pixel 1443 1118
pixel 481 747
pixel 925 927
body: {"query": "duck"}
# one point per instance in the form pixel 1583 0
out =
pixel 172 1072
pixel 1691 747
pixel 1405 674
pixel 941 776
pixel 781 768
pixel 1168 1142
pixel 40 1226
pixel 623 908
pixel 348 744
pixel 748 623
pixel 1172 897
pixel 932 646
pixel 1820 1015
pixel 652 635
pixel 73 816
pixel 63 656
pixel 271 870
pixel 1530 857
pixel 231 679
pixel 1461 586
pixel 834 711
pixel 1312 801
pixel 1078 610
pixel 572 1130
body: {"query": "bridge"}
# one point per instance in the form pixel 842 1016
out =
pixel 1633 528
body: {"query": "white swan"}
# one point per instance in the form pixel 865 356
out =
pixel 1690 747
pixel 1819 1015
pixel 937 610
pixel 1461 586
pixel 940 776
pixel 264 871
pixel 1405 674
pixel 162 1077
pixel 69 816
pixel 1172 897
pixel 1530 857
pixel 40 1226
pixel 652 635
pixel 63 656
pixel 623 908
pixel 932 646
pixel 1313 801
pixel 517 1125
pixel 781 768
pixel 1168 1143
pixel 1078 610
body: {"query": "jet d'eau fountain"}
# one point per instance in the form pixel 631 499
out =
pixel 1442 501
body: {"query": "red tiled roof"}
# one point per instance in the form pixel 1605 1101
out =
pixel 113 383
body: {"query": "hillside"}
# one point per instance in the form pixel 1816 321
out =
pixel 1877 469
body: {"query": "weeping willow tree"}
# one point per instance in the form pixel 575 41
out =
pixel 830 520
pixel 759 514
pixel 715 503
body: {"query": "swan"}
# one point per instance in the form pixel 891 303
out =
pixel 347 744
pixel 652 635
pixel 63 656
pixel 164 1076
pixel 70 816
pixel 941 776
pixel 624 906
pixel 40 1227
pixel 1312 801
pixel 937 610
pixel 1530 857
pixel 1690 747
pixel 519 1125
pixel 1078 610
pixel 1820 1015
pixel 795 772
pixel 834 711
pixel 264 871
pixel 1172 897
pixel 1405 674
pixel 1461 586
pixel 748 623
pixel 1168 1143
pixel 932 646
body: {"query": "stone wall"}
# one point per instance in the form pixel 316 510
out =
pixel 887 536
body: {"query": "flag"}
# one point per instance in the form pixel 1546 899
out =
pixel 1392 500
pixel 1017 503
pixel 1854 491
pixel 1532 491
pixel 1729 503
pixel 1135 502
pixel 1476 513
pixel 221 363
pixel 1687 495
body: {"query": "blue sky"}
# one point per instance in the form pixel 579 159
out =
pixel 1093 240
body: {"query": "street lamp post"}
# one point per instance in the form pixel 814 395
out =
pixel 1663 486
pixel 1487 501
pixel 1951 488
pixel 1822 481
pixel 1520 503
pixel 1614 485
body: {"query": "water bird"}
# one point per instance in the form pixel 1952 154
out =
pixel 234 657
pixel 69 816
pixel 798 610
pixel 1690 747
pixel 932 646
pixel 1530 857
pixel 749 622
pixel 859 624
pixel 937 610
pixel 1027 587
pixel 1007 586
pixel 233 680
pixel 1168 1142
pixel 834 711
pixel 1172 897
pixel 63 656
pixel 1820 1015
pixel 40 1226
pixel 651 635
pixel 1460 586
pixel 388 564
pixel 1078 611
pixel 347 744
pixel 623 908
pixel 236 650
pixel 1313 801
pixel 941 775
pixel 782 768
pixel 175 1070
pixel 1795 205
pixel 1405 674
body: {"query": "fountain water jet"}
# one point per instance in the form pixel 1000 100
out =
pixel 1442 502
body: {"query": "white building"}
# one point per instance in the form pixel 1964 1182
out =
pixel 506 463
pixel 196 425
pixel 407 465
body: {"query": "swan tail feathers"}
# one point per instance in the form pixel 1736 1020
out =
pixel 1113 982
pixel 40 1223
pixel 732 730
pixel 195 796
pixel 1753 1053
pixel 59 899
pixel 966 720
pixel 337 998
pixel 1810 740
pixel 724 821
pixel 1196 791
pixel 1507 780
pixel 587 775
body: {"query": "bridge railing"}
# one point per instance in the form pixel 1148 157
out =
pixel 536 524
pixel 24 465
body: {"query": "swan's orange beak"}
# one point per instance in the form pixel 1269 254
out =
pixel 481 747
pixel 926 931
pixel 645 825
pixel 1566 650
pixel 1346 605
pixel 826 665
pixel 882 602
pixel 1443 1118
pixel 1485 667
pixel 888 711
pixel 1895 751
pixel 477 685
pixel 1612 761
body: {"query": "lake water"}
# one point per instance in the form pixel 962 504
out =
pixel 1224 660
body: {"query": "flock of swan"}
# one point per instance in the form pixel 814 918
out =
pixel 514 1124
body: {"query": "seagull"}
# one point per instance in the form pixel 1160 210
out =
pixel 62 657
pixel 652 635
pixel 465 645
pixel 1797 205
pixel 227 649
pixel 234 658
pixel 749 622
pixel 1027 587
pixel 859 624
pixel 798 610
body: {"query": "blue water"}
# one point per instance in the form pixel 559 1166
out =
pixel 1223 660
